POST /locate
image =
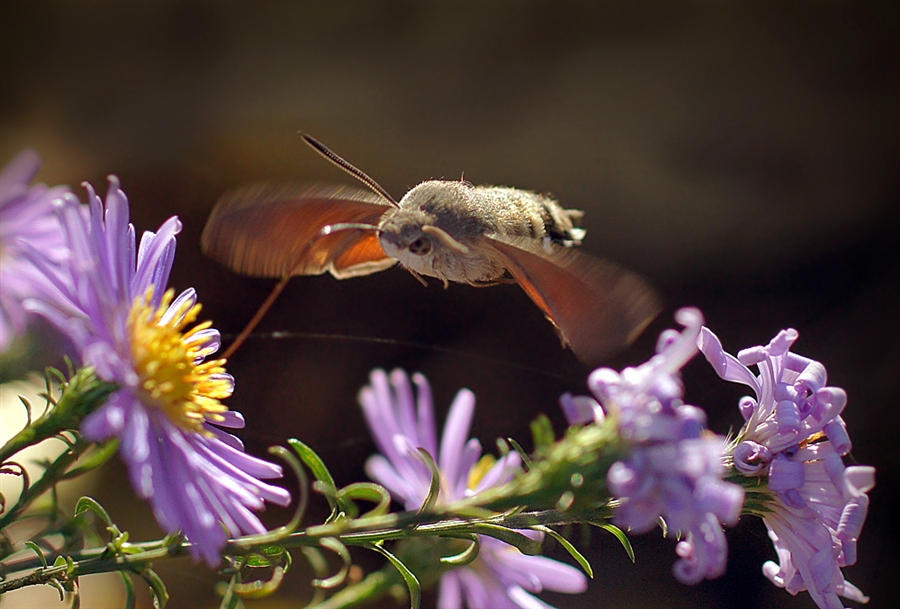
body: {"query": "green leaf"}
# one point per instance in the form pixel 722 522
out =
pixel 620 535
pixel 37 550
pixel 303 499
pixel 130 598
pixel 526 460
pixel 525 544
pixel 75 594
pixel 258 561
pixel 335 545
pixel 368 491
pixel 542 431
pixel 27 406
pixel 319 470
pixel 320 567
pixel 230 597
pixel 434 490
pixel 157 587
pixel 261 589
pixel 571 549
pixel 53 583
pixel 415 590
pixel 86 504
pixel 466 556
pixel 97 458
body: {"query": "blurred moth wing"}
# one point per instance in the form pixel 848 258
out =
pixel 267 230
pixel 598 308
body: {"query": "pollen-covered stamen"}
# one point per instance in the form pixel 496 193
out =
pixel 169 361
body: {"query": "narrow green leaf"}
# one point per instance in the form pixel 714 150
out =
pixel 620 535
pixel 261 589
pixel 53 583
pixel 157 587
pixel 320 567
pixel 466 556
pixel 37 550
pixel 258 561
pixel 526 460
pixel 318 469
pixel 94 460
pixel 335 545
pixel 86 504
pixel 75 593
pixel 434 489
pixel 570 548
pixel 371 492
pixel 130 598
pixel 230 597
pixel 525 544
pixel 415 590
pixel 27 406
pixel 542 431
pixel 303 499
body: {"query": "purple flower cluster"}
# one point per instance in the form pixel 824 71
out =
pixel 794 438
pixel 108 294
pixel 674 469
pixel 26 216
pixel 402 421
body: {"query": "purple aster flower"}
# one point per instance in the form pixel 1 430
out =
pixel 26 215
pixel 401 421
pixel 110 298
pixel 674 469
pixel 795 438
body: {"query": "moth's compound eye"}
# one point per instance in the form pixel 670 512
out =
pixel 420 246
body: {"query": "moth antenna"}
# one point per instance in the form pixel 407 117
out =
pixel 282 283
pixel 356 172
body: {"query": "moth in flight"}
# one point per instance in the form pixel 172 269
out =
pixel 451 230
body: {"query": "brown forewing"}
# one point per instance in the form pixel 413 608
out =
pixel 270 230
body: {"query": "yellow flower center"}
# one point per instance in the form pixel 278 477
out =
pixel 483 466
pixel 167 360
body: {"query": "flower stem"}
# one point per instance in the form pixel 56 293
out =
pixel 79 396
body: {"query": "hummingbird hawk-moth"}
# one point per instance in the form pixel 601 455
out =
pixel 451 230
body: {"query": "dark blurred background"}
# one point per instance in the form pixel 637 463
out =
pixel 742 155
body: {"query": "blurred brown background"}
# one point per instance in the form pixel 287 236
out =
pixel 742 155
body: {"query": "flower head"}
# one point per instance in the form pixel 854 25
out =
pixel 26 215
pixel 674 469
pixel 793 439
pixel 402 421
pixel 110 298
